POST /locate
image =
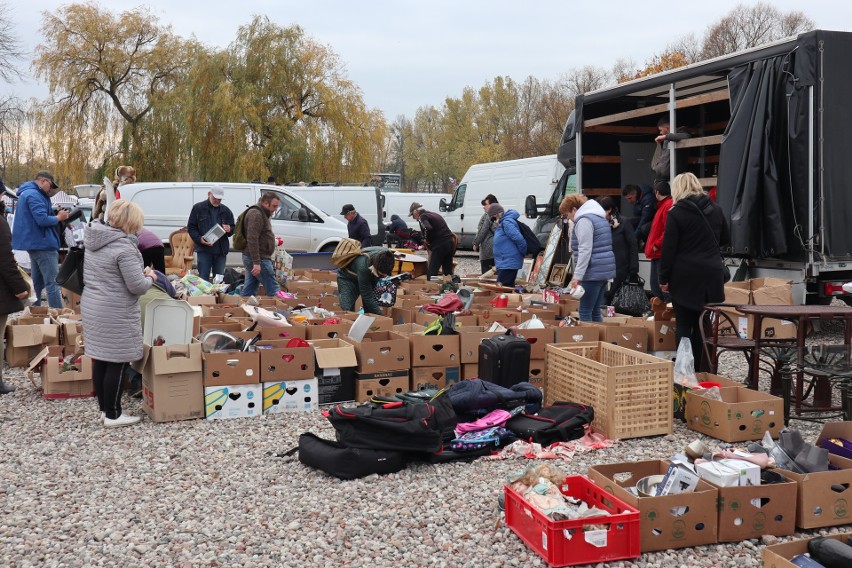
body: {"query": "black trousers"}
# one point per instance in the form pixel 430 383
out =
pixel 441 256
pixel 109 384
pixel 486 265
pixel 688 325
pixel 155 257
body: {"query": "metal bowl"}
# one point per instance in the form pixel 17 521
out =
pixel 647 486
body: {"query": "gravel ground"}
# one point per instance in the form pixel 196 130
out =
pixel 202 493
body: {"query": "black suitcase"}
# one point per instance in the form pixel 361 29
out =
pixel 504 360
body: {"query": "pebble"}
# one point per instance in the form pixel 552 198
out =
pixel 212 493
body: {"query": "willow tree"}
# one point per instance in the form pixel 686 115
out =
pixel 105 71
pixel 300 111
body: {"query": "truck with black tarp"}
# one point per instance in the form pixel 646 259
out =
pixel 770 129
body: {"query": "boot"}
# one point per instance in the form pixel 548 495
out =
pixel 4 388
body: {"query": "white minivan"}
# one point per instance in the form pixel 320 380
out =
pixel 510 182
pixel 303 226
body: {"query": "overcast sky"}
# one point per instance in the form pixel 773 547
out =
pixel 406 54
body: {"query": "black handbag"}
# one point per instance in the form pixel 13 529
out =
pixel 70 274
pixel 630 298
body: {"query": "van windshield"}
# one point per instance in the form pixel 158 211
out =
pixel 458 197
pixel 567 186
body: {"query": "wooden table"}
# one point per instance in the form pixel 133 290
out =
pixel 801 315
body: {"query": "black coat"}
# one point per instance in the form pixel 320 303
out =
pixel 359 230
pixel 626 251
pixel 202 218
pixel 691 261
pixel 11 282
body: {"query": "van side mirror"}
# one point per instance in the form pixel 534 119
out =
pixel 531 207
pixel 303 215
pixel 442 205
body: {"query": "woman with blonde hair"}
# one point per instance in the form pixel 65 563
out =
pixel 114 280
pixel 691 263
pixel 591 247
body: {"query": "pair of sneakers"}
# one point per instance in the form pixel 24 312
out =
pixel 122 420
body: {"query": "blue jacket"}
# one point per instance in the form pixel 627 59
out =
pixel 591 244
pixel 509 244
pixel 34 228
pixel 202 218
pixel 359 230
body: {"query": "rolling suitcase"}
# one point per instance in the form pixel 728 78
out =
pixel 504 360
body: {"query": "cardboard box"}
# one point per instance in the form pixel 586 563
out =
pixel 751 512
pixel 201 300
pixel 233 401
pixel 433 377
pixel 668 521
pixel 57 384
pixel 538 339
pixel 679 392
pixel 26 337
pixel 336 362
pixel 577 334
pixel 221 326
pixel 631 337
pixel 279 363
pixel 738 293
pixel 70 300
pixel 290 396
pixel 285 333
pixel 741 415
pixel 381 351
pixel 771 291
pixel 172 382
pixel 400 316
pixel 434 350
pixel 231 368
pixel 780 555
pixel 538 370
pixel 506 317
pixel 387 383
pixel 824 497
pixel 330 331
pixel 408 329
pixel 661 335
pixel 70 331
pixel 771 328
pixel 469 371
pixel 469 340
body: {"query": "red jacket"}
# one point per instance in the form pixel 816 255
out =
pixel 654 244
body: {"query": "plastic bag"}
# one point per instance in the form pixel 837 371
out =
pixel 684 369
pixel 282 262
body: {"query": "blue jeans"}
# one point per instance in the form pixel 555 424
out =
pixel 44 268
pixel 592 300
pixel 208 261
pixel 267 277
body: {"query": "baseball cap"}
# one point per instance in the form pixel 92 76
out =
pixel 49 176
pixel 218 192
pixel 347 208
pixel 414 207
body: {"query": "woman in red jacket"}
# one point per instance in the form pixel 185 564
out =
pixel 654 244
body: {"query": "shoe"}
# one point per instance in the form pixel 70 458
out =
pixel 123 420
pixel 5 388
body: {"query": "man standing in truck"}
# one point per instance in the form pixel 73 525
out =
pixel 660 163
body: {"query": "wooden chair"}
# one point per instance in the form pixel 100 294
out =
pixel 183 252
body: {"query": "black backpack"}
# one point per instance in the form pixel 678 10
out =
pixel 396 426
pixel 533 245
pixel 561 422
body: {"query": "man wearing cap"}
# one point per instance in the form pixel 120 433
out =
pixel 203 217
pixel 358 227
pixel 35 230
pixel 440 240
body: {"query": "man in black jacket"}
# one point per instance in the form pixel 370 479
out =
pixel 358 227
pixel 203 217
pixel 440 240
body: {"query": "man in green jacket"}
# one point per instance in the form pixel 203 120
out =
pixel 359 279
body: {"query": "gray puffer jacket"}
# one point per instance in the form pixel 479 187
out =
pixel 485 237
pixel 112 272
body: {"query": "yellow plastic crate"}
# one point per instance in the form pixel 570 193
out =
pixel 630 391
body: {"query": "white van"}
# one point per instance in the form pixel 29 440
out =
pixel 510 182
pixel 397 203
pixel 303 226
pixel 366 199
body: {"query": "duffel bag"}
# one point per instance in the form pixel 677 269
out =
pixel 347 463
pixel 561 422
pixel 397 426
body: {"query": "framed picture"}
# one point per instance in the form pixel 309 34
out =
pixel 549 254
pixel 558 274
pixel 526 270
pixel 536 268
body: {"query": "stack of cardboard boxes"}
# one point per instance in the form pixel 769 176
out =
pixel 761 291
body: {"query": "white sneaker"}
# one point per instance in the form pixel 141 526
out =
pixel 123 420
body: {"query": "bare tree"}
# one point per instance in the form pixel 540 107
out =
pixel 752 25
pixel 10 47
pixel 689 45
pixel 585 79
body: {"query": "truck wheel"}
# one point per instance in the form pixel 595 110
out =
pixel 328 248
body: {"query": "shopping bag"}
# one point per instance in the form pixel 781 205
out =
pixel 70 274
pixel 684 368
pixel 631 299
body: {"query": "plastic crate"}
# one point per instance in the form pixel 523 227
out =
pixel 630 391
pixel 566 543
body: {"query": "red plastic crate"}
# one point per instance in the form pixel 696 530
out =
pixel 564 543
